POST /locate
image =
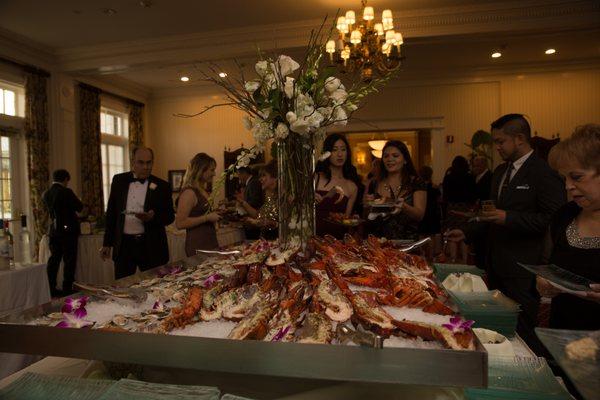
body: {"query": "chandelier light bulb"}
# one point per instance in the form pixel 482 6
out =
pixel 550 51
pixel 345 54
pixel 368 14
pixel 399 39
pixel 222 74
pixel 388 24
pixel 355 37
pixel 386 48
pixel 184 79
pixel 390 37
pixel 350 17
pixel 379 29
pixel 496 54
pixel 330 47
pixel 342 26
pixel 386 14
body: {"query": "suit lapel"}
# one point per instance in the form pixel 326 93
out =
pixel 125 191
pixel 519 177
pixel 496 179
pixel 148 193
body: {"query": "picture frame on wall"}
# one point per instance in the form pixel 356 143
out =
pixel 176 179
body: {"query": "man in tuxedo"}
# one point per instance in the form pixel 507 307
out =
pixel 527 192
pixel 139 208
pixel 252 194
pixel 63 233
pixel 483 177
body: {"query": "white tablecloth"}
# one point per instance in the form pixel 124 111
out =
pixel 92 269
pixel 20 289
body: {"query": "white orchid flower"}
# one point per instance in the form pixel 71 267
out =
pixel 340 116
pixel 282 131
pixel 251 86
pixel 261 68
pixel 325 156
pixel 291 116
pixel 285 65
pixel 332 84
pixel 288 88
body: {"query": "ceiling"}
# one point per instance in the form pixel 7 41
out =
pixel 151 47
pixel 69 23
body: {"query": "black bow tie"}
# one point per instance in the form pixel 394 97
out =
pixel 140 180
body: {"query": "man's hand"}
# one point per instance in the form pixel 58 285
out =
pixel 497 217
pixel 455 235
pixel 105 253
pixel 145 216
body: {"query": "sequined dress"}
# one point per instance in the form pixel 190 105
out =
pixel 269 211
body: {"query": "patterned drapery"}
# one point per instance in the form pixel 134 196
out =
pixel 38 148
pixel 136 124
pixel 91 159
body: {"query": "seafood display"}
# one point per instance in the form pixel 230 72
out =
pixel 261 293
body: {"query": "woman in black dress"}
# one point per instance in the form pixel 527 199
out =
pixel 574 235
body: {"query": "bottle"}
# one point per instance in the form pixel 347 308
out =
pixel 4 260
pixel 24 240
pixel 11 243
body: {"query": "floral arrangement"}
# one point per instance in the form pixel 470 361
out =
pixel 292 104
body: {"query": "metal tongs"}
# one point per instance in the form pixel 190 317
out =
pixel 359 336
pixel 138 295
pixel 219 252
pixel 415 245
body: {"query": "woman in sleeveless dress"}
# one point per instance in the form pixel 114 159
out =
pixel 267 216
pixel 336 185
pixel 398 183
pixel 193 208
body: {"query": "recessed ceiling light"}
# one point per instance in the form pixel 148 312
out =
pixel 184 79
pixel 550 51
pixel 496 54
pixel 146 3
pixel 109 11
pixel 222 74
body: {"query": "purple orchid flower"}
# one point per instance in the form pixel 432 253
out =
pixel 73 304
pixel 74 321
pixel 158 306
pixel 281 334
pixel 212 280
pixel 457 324
pixel 172 270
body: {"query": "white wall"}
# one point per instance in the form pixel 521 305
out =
pixel 556 102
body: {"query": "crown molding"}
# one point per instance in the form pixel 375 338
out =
pixel 117 85
pixel 24 50
pixel 503 16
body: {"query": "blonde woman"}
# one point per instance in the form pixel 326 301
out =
pixel 193 208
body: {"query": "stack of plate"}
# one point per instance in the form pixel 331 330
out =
pixel 441 271
pixel 520 378
pixel 491 310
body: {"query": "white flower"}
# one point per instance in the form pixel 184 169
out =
pixel 248 122
pixel 261 68
pixel 300 126
pixel 340 116
pixel 288 88
pixel 251 86
pixel 325 156
pixel 351 107
pixel 282 131
pixel 325 112
pixel 291 116
pixel 339 96
pixel 332 84
pixel 285 65
pixel 243 160
pixel 304 105
pixel 315 119
pixel 264 113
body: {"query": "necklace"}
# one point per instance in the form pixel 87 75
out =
pixel 394 193
pixel 575 240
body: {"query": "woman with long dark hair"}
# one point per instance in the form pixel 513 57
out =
pixel 337 184
pixel 398 183
pixel 267 216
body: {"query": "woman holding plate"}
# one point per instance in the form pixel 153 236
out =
pixel 574 235
pixel 398 197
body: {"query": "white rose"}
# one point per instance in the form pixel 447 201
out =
pixel 339 96
pixel 351 107
pixel 289 87
pixel 325 156
pixel 248 122
pixel 286 65
pixel 340 117
pixel 281 132
pixel 325 112
pixel 300 126
pixel 251 86
pixel 332 84
pixel 291 116
pixel 315 119
pixel 261 68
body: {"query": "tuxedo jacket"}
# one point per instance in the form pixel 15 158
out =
pixel 484 186
pixel 253 193
pixel 62 205
pixel 158 199
pixel 533 195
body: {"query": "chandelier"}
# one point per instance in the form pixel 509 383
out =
pixel 364 45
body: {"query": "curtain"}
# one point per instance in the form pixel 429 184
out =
pixel 136 124
pixel 38 147
pixel 91 159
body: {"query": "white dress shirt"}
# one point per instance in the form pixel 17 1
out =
pixel 136 197
pixel 516 166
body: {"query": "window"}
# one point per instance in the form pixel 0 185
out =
pixel 114 127
pixel 12 99
pixel 5 179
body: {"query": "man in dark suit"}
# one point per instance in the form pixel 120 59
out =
pixel 483 177
pixel 252 194
pixel 139 208
pixel 527 192
pixel 63 233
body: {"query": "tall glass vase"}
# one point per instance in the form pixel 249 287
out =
pixel 296 190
